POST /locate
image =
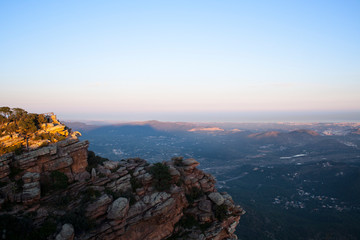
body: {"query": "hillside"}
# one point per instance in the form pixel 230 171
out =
pixel 62 191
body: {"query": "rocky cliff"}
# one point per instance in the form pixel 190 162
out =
pixel 61 192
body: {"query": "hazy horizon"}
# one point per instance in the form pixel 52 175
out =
pixel 240 117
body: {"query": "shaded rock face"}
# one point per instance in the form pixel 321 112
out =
pixel 118 208
pixel 99 207
pixel 68 156
pixel 157 215
pixel 119 200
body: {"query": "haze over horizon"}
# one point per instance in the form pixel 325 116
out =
pixel 230 117
pixel 228 61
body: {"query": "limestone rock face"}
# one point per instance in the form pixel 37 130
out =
pixel 111 165
pixel 99 207
pixel 118 208
pixel 31 177
pixel 58 164
pixel 68 156
pixel 4 167
pixel 79 155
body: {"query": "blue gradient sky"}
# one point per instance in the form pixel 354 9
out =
pixel 138 60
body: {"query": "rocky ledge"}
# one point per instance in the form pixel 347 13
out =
pixel 58 195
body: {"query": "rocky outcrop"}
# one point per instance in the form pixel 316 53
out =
pixel 50 132
pixel 118 209
pixel 68 156
pixel 4 167
pixel 118 200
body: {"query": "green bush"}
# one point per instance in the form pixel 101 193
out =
pixel 205 226
pixel 17 149
pixel 20 121
pixel 7 206
pixel 178 161
pixel 220 212
pixel 3 184
pixel 90 195
pixel 63 201
pixel 58 137
pixel 15 228
pixel 114 194
pixel 188 221
pixel 12 227
pixel 52 137
pixel 56 181
pixel 14 171
pixel 45 230
pixel 180 182
pixel 135 183
pixel 59 180
pixel 195 193
pixel 94 160
pixel 101 175
pixel 78 219
pixel 19 185
pixel 41 119
pixel 130 196
pixel 43 136
pixel 162 176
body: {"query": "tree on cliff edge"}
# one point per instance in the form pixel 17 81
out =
pixel 27 126
pixel 5 111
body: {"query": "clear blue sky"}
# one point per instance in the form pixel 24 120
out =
pixel 137 60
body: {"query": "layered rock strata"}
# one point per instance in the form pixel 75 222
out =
pixel 21 174
pixel 118 200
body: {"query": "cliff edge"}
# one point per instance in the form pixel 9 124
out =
pixel 62 191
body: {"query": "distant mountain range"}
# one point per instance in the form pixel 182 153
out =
pixel 257 130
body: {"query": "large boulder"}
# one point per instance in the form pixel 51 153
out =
pixel 66 233
pixel 98 207
pixel 205 206
pixel 216 198
pixel 118 208
pixel 190 162
pixel 111 165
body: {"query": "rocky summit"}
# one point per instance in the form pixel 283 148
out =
pixel 62 191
